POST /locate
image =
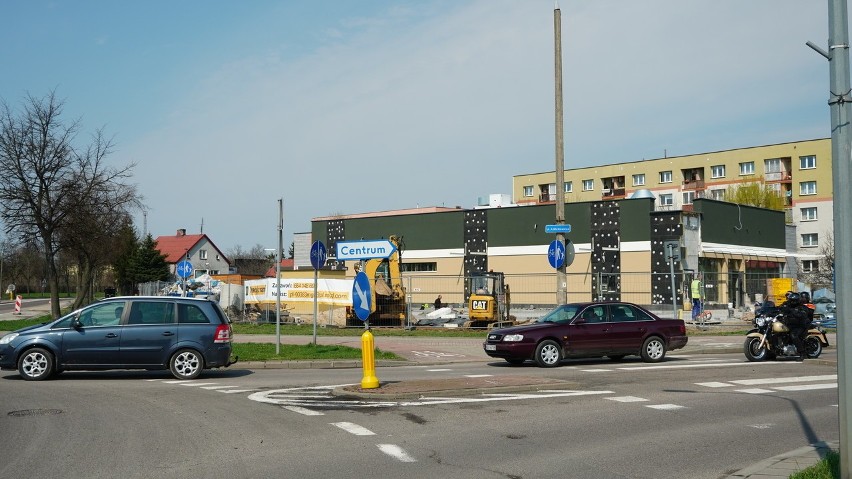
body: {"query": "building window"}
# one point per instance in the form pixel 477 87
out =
pixel 569 186
pixel 639 180
pixel 807 162
pixel 666 199
pixel 588 185
pixel 202 254
pixel 718 194
pixel 688 197
pixel 418 267
pixel 810 266
pixel 717 171
pixel 528 191
pixel 747 168
pixel 809 214
pixel 665 177
pixel 551 188
pixel 772 166
pixel 810 240
pixel 807 188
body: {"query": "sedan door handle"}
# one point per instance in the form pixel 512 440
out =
pixel 168 333
pixel 111 335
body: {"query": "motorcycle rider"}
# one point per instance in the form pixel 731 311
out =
pixel 796 316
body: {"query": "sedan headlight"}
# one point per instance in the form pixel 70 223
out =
pixel 513 337
pixel 8 338
pixel 760 321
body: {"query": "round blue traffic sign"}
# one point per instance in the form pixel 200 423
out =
pixel 318 254
pixel 184 269
pixel 556 254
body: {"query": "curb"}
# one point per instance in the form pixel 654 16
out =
pixel 783 465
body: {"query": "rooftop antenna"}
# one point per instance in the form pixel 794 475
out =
pixel 202 225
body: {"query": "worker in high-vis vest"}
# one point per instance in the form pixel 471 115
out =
pixel 695 293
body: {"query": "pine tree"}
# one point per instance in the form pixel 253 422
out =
pixel 147 263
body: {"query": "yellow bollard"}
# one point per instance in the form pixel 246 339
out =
pixel 368 357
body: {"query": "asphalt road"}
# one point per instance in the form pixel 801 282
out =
pixel 693 416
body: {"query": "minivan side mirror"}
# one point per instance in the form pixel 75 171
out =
pixel 76 324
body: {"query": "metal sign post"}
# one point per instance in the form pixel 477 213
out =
pixel 318 257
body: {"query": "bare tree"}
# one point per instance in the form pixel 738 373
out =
pixel 823 276
pixel 255 261
pixel 49 185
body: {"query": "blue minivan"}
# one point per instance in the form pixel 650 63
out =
pixel 184 335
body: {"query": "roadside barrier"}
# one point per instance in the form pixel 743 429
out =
pixel 18 301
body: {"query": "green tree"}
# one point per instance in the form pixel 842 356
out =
pixel 147 263
pixel 755 193
pixel 127 244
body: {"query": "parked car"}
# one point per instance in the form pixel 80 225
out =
pixel 823 306
pixel 184 335
pixel 581 330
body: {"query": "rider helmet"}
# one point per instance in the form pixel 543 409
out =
pixel 793 297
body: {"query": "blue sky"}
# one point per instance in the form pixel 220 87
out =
pixel 343 107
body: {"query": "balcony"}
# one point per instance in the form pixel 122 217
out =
pixel 780 177
pixel 687 208
pixel 547 198
pixel 613 194
pixel 693 184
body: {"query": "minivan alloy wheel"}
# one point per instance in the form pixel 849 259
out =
pixel 186 364
pixel 36 364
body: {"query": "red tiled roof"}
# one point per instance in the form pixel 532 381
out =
pixel 174 247
pixel 285 264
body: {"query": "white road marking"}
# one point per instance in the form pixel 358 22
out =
pixel 627 399
pixel 807 387
pixel 665 407
pixel 236 391
pixel 438 370
pixel 478 375
pixel 596 370
pixel 396 452
pixel 754 391
pixel 700 365
pixel 304 411
pixel 196 384
pixel 353 428
pixel 755 382
pixel 714 384
pixel 761 426
pixel 217 387
pixel 291 397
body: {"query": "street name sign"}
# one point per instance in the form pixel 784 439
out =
pixel 358 250
pixel 557 228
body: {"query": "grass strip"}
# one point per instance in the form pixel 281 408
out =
pixel 302 352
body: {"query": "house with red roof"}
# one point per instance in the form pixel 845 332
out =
pixel 198 249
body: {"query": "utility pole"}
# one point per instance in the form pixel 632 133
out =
pixel 839 102
pixel 561 277
pixel 278 277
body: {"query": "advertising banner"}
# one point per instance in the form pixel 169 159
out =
pixel 335 292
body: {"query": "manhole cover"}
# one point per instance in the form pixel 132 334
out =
pixel 35 412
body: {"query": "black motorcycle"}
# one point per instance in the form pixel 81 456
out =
pixel 771 338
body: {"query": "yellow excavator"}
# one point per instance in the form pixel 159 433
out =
pixel 388 306
pixel 489 301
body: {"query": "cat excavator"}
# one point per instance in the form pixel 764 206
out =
pixel 489 301
pixel 388 306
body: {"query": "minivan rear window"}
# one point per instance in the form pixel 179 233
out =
pixel 191 314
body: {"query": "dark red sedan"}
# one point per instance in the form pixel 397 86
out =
pixel 583 330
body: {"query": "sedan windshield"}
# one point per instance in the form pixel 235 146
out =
pixel 562 314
